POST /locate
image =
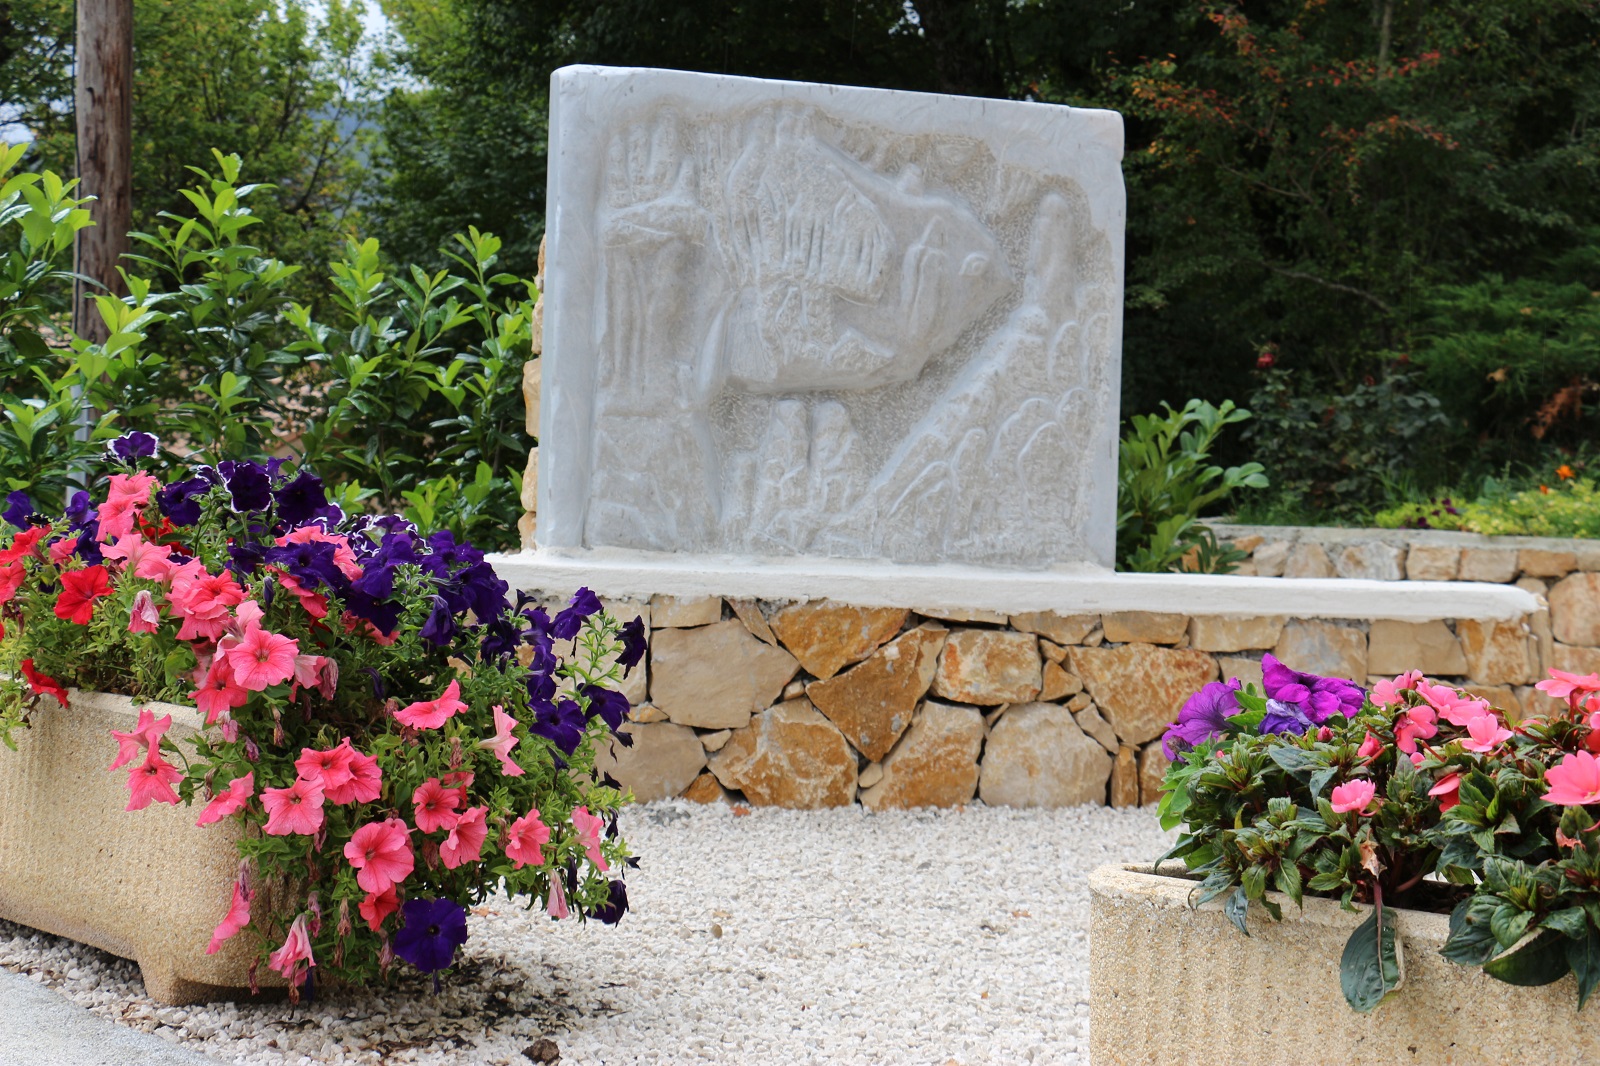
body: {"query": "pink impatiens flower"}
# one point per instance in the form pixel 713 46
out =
pixel 1353 796
pixel 1448 790
pixel 465 842
pixel 504 742
pixel 1569 687
pixel 147 732
pixel 525 840
pixel 589 827
pixel 237 918
pixel 1387 693
pixel 381 854
pixel 431 714
pixel 1452 706
pixel 1575 782
pixel 144 616
pixel 220 693
pixel 296 949
pixel 152 781
pixel 229 801
pixel 435 805
pixel 1370 748
pixel 1485 733
pixel 262 659
pixel 296 809
pixel 366 779
pixel 1418 723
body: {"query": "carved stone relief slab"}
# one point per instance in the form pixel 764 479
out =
pixel 791 319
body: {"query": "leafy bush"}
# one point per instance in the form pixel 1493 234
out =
pixel 391 732
pixel 1568 505
pixel 1164 483
pixel 1314 786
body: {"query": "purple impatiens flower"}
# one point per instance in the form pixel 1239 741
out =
pixel 1204 717
pixel 1314 699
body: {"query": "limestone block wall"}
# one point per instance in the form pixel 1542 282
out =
pixel 822 704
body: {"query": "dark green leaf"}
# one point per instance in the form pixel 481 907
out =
pixel 1538 960
pixel 1584 958
pixel 1571 922
pixel 1471 941
pixel 1372 966
pixel 1236 907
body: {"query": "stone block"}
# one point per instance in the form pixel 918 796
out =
pixel 1089 720
pixel 1371 560
pixel 1432 562
pixel 1324 648
pixel 762 286
pixel 1271 558
pixel 1588 556
pixel 870 775
pixel 716 676
pixel 1498 565
pixel 664 760
pixel 530 482
pixel 963 614
pixel 789 756
pixel 532 375
pixel 1052 651
pixel 1536 704
pixel 1153 763
pixel 674 612
pixel 825 636
pixel 1575 609
pixel 989 667
pixel 1220 633
pixel 1576 660
pixel 1308 560
pixel 527 526
pixel 1139 687
pixel 1144 627
pixel 1543 562
pixel 749 612
pixel 1395 647
pixel 1124 788
pixel 706 789
pixel 1497 652
pixel 1037 756
pixel 1246 670
pixel 1501 697
pixel 935 764
pixel 1058 683
pixel 1061 628
pixel 872 703
pixel 1248 543
pixel 1536 585
pixel 715 740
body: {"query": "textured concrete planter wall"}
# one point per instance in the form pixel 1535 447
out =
pixel 1168 984
pixel 146 885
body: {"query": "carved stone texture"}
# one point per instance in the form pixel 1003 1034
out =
pixel 826 636
pixel 1271 558
pixel 749 612
pixel 663 761
pixel 1541 562
pixel 789 756
pixel 1308 560
pixel 1058 683
pixel 1371 560
pixel 1138 687
pixel 683 612
pixel 706 789
pixel 817 320
pixel 1124 789
pixel 716 676
pixel 989 667
pixel 935 765
pixel 872 703
pixel 1238 666
pixel 532 372
pixel 1038 757
pixel 1498 565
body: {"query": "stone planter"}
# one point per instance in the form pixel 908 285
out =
pixel 1168 984
pixel 146 885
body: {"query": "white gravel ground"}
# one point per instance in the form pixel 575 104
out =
pixel 772 936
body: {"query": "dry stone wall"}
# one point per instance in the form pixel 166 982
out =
pixel 824 704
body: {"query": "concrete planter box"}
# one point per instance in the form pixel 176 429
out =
pixel 1168 984
pixel 146 885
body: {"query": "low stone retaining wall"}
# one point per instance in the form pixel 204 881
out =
pixel 823 703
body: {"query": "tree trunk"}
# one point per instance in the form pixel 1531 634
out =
pixel 104 105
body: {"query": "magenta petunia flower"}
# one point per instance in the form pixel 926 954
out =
pixel 435 805
pixel 381 854
pixel 151 781
pixel 589 827
pixel 1314 698
pixel 431 714
pixel 296 809
pixel 366 778
pixel 1204 717
pixel 262 659
pixel 229 801
pixel 296 949
pixel 237 918
pixel 525 840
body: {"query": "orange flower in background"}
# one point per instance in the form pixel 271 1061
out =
pixel 1545 489
pixel 1564 472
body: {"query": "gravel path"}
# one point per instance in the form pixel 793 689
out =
pixel 839 936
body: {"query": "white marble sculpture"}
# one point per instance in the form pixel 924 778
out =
pixel 807 320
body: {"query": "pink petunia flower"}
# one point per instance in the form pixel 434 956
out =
pixel 201 600
pixel 556 904
pixel 133 488
pixel 220 693
pixel 366 778
pixel 435 805
pixel 296 949
pixel 1448 790
pixel 465 842
pixel 62 550
pixel 79 591
pixel 1485 733
pixel 141 558
pixel 229 801
pixel 1353 795
pixel 144 616
pixel 1418 723
pixel 147 732
pixel 152 781
pixel 116 517
pixel 11 577
pixel 237 918
pixel 431 714
pixel 1575 782
pixel 262 659
pixel 330 768
pixel 504 743
pixel 378 906
pixel 296 809
pixel 1387 693
pixel 589 827
pixel 381 854
pixel 525 840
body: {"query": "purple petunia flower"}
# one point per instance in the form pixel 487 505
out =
pixel 607 704
pixel 632 644
pixel 1318 698
pixel 302 499
pixel 1203 718
pixel 434 929
pixel 1284 717
pixel 440 628
pixel 570 620
pixel 180 501
pixel 561 723
pixel 248 484
pixel 616 905
pixel 19 510
pixel 81 511
pixel 134 445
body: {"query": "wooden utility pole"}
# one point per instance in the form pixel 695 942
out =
pixel 104 104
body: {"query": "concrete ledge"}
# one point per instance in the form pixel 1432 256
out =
pixel 619 573
pixel 39 1027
